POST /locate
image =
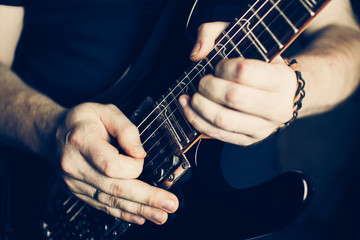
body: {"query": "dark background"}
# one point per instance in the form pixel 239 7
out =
pixel 326 147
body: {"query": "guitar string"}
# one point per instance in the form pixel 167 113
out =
pixel 172 100
pixel 210 60
pixel 269 24
pixel 195 67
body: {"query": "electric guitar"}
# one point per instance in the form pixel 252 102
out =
pixel 264 31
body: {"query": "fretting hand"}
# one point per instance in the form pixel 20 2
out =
pixel 245 100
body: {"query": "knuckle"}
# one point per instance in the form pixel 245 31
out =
pixel 75 137
pixel 116 189
pixel 138 168
pixel 107 168
pixel 66 166
pixel 221 67
pixel 154 198
pixel 140 210
pixel 232 97
pixel 220 121
pixel 242 69
pixel 203 83
pixel 105 209
pixel 195 99
pixel 124 215
pixel 112 107
pixel 129 128
pixel 113 201
pixel 69 183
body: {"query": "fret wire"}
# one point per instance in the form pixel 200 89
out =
pixel 254 41
pixel 232 43
pixel 191 85
pixel 274 5
pixel 270 23
pixel 286 19
pixel 269 31
pixel 252 35
pixel 209 64
pixel 223 55
pixel 307 7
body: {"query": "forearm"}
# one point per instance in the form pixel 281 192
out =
pixel 28 118
pixel 331 69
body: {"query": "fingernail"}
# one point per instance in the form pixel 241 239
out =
pixel 158 216
pixel 195 50
pixel 139 220
pixel 183 101
pixel 169 205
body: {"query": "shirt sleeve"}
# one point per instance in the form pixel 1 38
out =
pixel 12 2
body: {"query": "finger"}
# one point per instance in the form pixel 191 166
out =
pixel 207 34
pixel 245 99
pixel 231 120
pixel 210 130
pixel 109 161
pixel 155 215
pixel 120 127
pixel 100 153
pixel 130 189
pixel 256 74
pixel 115 212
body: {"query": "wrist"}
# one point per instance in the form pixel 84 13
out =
pixel 45 115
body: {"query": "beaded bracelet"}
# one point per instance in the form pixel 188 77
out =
pixel 300 91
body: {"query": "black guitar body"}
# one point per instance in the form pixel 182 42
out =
pixel 212 209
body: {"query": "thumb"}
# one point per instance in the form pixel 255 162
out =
pixel 207 34
pixel 120 127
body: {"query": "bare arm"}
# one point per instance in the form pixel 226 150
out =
pixel 21 106
pixel 77 140
pixel 331 62
pixel 247 100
